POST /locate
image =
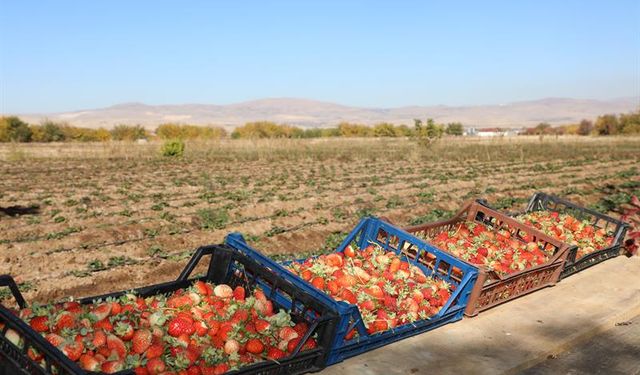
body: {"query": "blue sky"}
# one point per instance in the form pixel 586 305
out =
pixel 69 55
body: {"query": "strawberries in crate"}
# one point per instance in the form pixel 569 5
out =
pixel 498 250
pixel 204 329
pixel 570 230
pixel 387 290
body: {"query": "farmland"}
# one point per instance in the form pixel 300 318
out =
pixel 100 217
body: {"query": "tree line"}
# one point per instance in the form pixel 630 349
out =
pixel 13 129
pixel 609 124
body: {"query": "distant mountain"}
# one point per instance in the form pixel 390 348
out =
pixel 313 113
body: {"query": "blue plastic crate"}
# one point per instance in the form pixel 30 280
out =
pixel 375 231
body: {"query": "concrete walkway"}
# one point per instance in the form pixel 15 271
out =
pixel 518 335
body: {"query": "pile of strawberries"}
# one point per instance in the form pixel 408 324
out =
pixel 496 249
pixel 570 230
pixel 387 290
pixel 204 329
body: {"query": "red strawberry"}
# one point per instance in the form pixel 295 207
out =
pixel 73 350
pixel 104 324
pixel 89 363
pixel 141 341
pixel 239 293
pixel 254 346
pixel 102 311
pixel 348 296
pixel 301 328
pixel 287 334
pixel 178 326
pixel 55 340
pixel 124 331
pixel 201 287
pixel 318 282
pixel 112 366
pixel 221 369
pixel 262 325
pixel 155 351
pixel 115 344
pixel 40 323
pixel 275 354
pixel 99 338
pixel 64 320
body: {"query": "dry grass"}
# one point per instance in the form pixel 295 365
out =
pixel 343 149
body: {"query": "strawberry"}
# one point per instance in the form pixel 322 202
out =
pixel 231 346
pixel 262 326
pixel 102 311
pixel 318 282
pixel 349 252
pixel 104 324
pixel 180 325
pixel 73 350
pixel 99 338
pixel 54 339
pixel 348 296
pixel 116 345
pixel 201 288
pixel 64 320
pixel 223 291
pixel 40 323
pixel 155 351
pixel 124 331
pixel 141 341
pixel 89 362
pixel 221 369
pixel 287 334
pixel 275 354
pixel 239 293
pixel 254 346
pixel 110 367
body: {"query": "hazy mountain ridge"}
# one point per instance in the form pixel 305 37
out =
pixel 313 113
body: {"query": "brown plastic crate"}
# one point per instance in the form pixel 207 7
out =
pixel 492 289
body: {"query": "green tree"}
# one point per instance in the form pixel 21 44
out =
pixel 128 133
pixel 12 129
pixel 354 130
pixel 629 123
pixel 384 130
pixel 585 127
pixel 542 128
pixel 607 125
pixel 433 130
pixel 52 132
pixel 454 128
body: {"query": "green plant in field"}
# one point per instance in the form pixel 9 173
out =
pixel 173 148
pixel 508 202
pixel 434 215
pixel 211 218
pixel 365 211
pixel 96 265
pixel 274 231
pixel 31 220
pixel 427 196
pixel 333 240
pixel 59 219
pixel 394 202
pixel 281 213
pixel 120 261
pixel 63 233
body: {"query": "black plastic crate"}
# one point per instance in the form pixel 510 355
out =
pixel 226 265
pixel 545 202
